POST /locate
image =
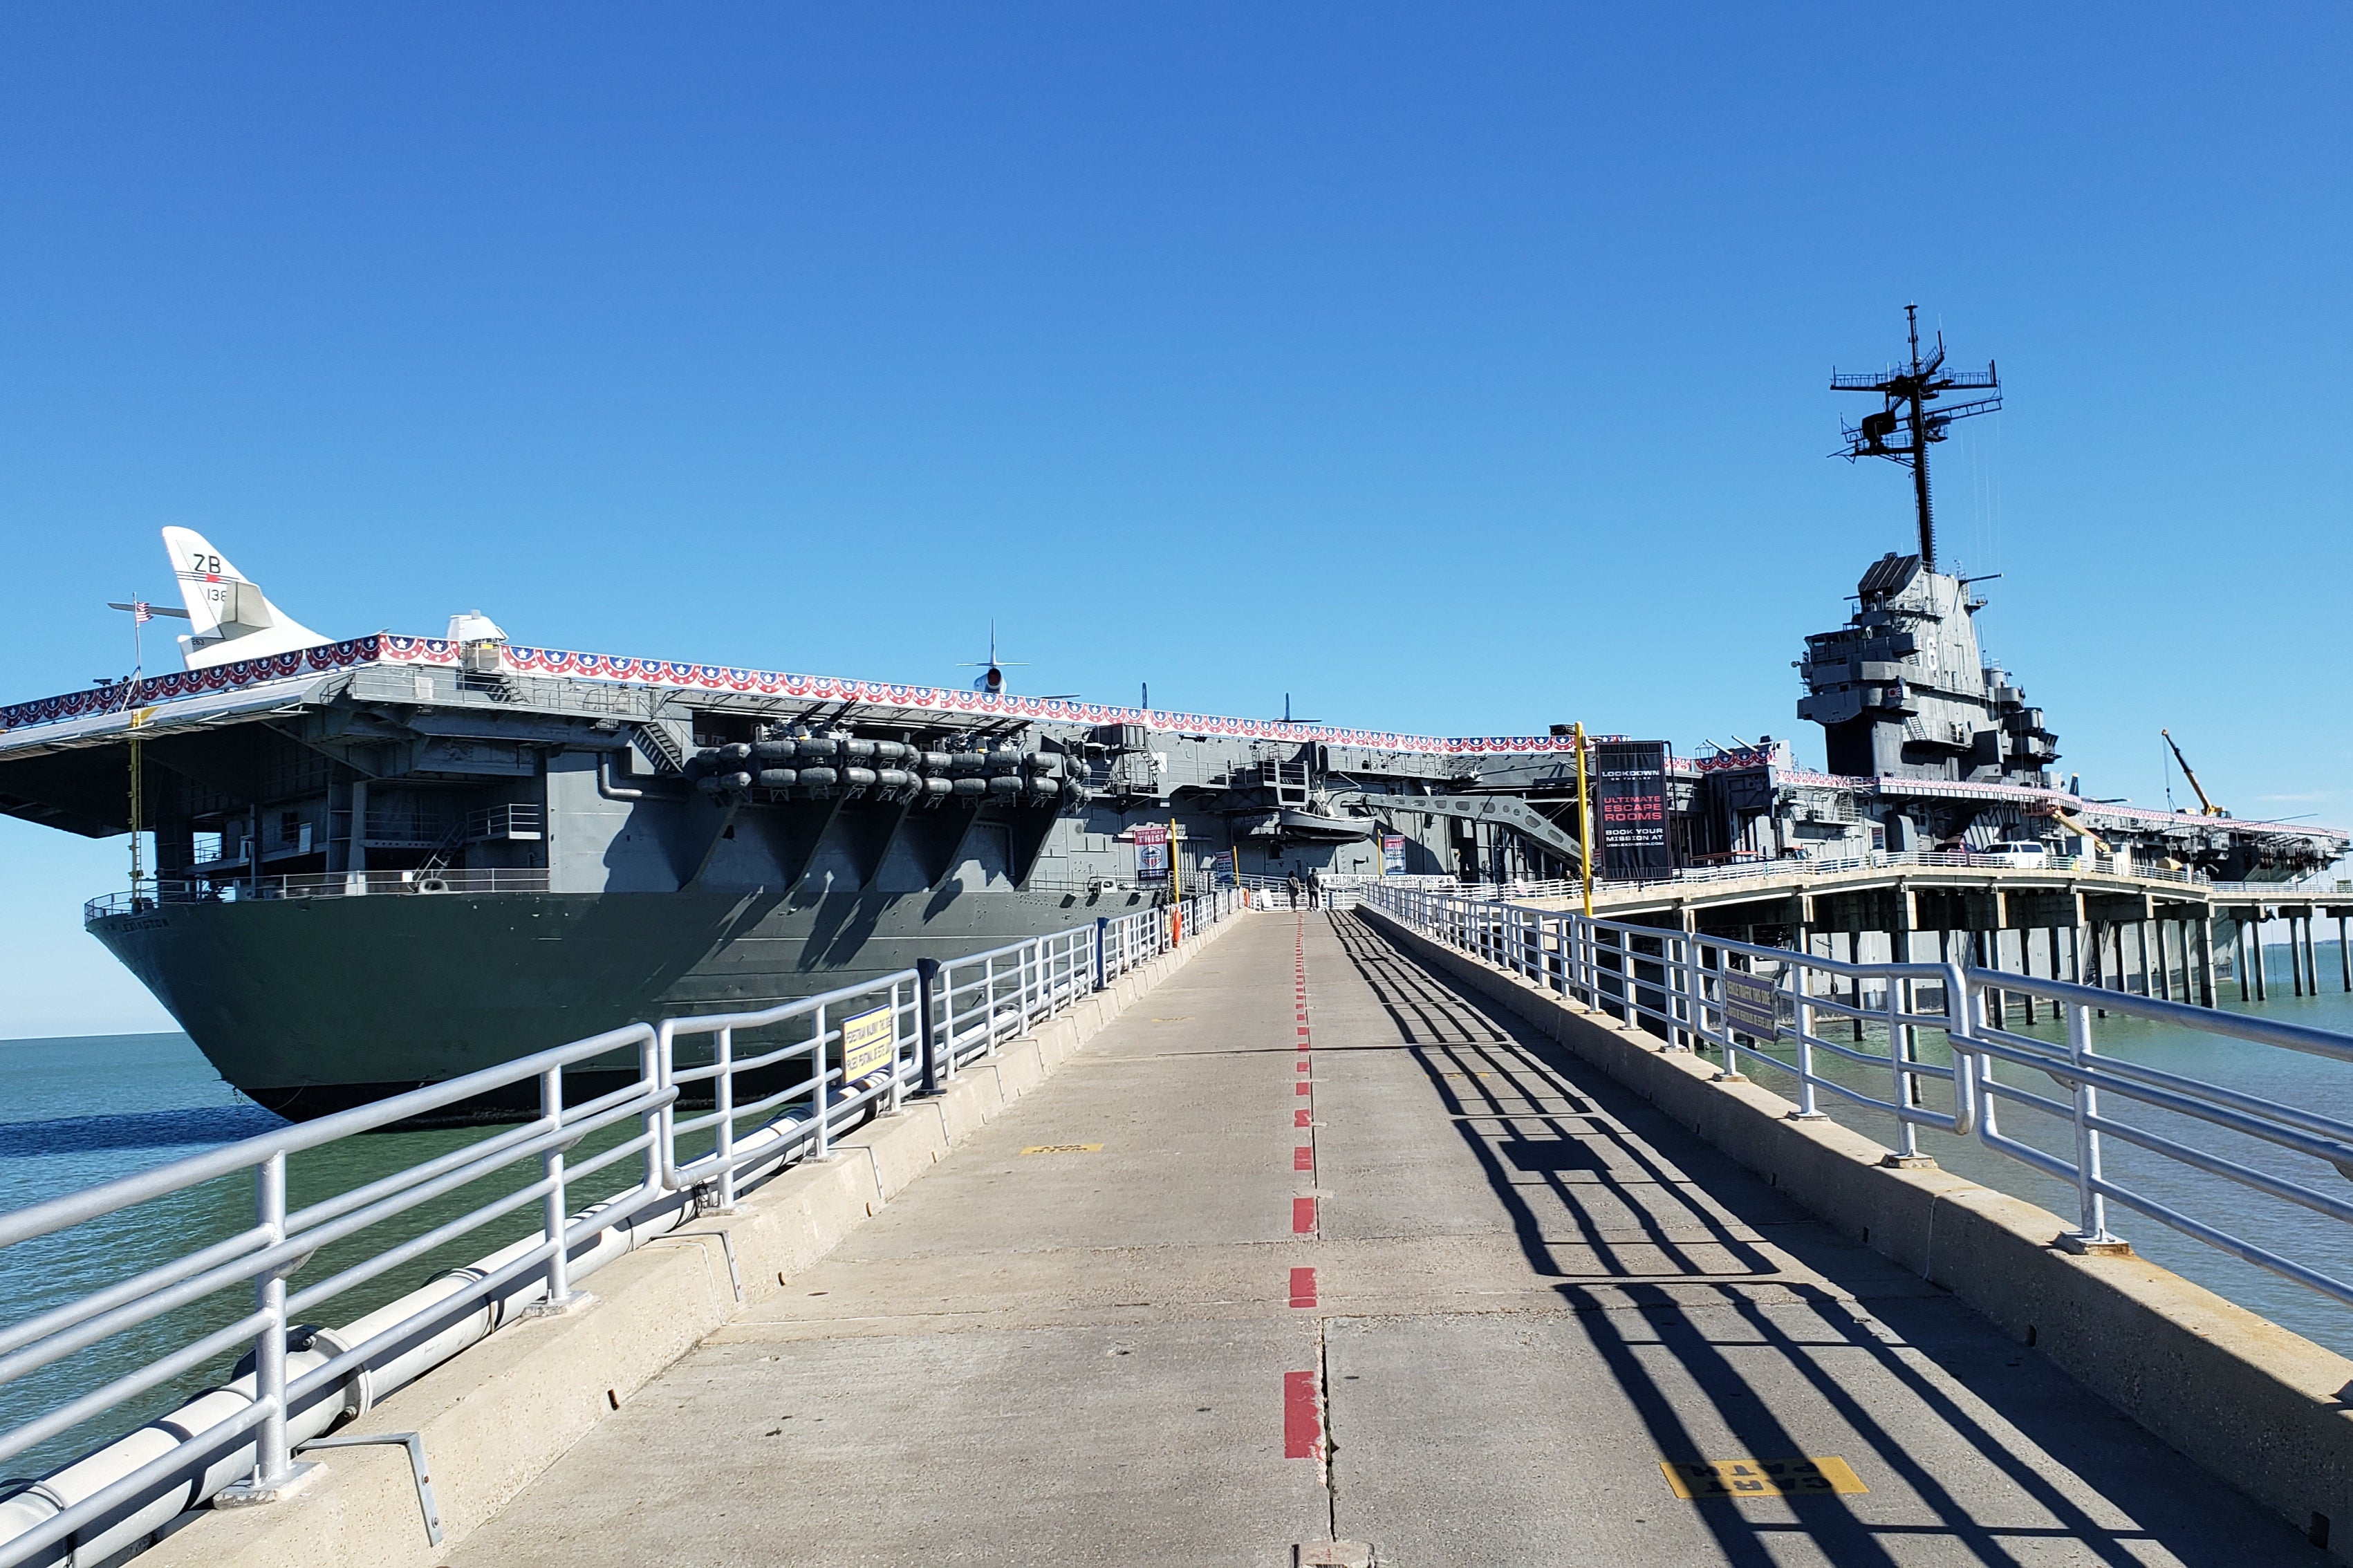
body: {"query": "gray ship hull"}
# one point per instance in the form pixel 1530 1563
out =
pixel 312 1006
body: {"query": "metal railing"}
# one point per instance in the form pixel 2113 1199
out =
pixel 447 686
pixel 1929 859
pixel 1759 870
pixel 499 822
pixel 319 885
pixel 2322 886
pixel 394 829
pixel 1700 992
pixel 782 1082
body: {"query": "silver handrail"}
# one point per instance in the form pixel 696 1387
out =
pixel 1697 992
pixel 299 1388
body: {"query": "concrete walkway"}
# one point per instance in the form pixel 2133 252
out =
pixel 1225 1287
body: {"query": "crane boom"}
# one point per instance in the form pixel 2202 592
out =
pixel 2205 807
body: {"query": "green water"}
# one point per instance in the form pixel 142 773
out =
pixel 86 1110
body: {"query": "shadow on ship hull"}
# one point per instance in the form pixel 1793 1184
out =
pixel 314 1005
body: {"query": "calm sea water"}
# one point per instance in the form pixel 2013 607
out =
pixel 84 1109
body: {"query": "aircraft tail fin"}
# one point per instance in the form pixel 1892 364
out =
pixel 230 617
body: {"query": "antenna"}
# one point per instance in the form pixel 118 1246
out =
pixel 1907 390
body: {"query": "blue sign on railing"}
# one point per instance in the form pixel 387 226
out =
pixel 1748 1003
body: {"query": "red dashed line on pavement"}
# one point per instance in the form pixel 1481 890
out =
pixel 1302 1419
pixel 1303 1395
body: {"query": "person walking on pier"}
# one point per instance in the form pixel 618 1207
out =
pixel 1291 881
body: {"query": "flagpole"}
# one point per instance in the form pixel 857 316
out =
pixel 140 612
pixel 137 772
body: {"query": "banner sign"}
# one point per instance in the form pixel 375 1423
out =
pixel 1151 852
pixel 1750 1005
pixel 1393 855
pixel 1631 809
pixel 1221 869
pixel 865 1043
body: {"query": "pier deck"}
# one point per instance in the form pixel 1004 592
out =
pixel 1250 1274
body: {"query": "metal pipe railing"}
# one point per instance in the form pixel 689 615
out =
pixel 1751 1003
pixel 784 1082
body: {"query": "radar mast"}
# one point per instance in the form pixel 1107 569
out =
pixel 1907 393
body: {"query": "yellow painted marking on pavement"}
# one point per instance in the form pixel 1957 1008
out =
pixel 1063 1149
pixel 1760 1477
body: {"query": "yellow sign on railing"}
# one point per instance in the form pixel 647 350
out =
pixel 865 1042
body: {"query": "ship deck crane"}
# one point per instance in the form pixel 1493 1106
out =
pixel 2205 806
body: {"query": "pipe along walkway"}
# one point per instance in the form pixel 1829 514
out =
pixel 1308 1254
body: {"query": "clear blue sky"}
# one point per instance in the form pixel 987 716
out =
pixel 1458 369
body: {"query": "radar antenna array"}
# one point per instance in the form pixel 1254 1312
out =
pixel 1903 430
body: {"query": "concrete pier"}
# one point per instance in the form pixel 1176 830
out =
pixel 1311 1256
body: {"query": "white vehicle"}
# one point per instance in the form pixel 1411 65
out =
pixel 2019 852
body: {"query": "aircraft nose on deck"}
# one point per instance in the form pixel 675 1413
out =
pixel 1309 1258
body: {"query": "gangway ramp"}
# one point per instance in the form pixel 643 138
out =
pixel 1309 1249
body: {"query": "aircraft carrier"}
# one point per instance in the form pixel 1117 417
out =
pixel 387 860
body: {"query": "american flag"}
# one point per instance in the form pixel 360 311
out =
pixel 141 612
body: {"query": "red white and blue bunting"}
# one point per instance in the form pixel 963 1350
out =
pixel 388 650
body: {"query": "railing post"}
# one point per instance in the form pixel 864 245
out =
pixel 723 1093
pixel 1690 991
pixel 1674 989
pixel 1724 989
pixel 1626 981
pixel 821 1071
pixel 2092 1205
pixel 989 1000
pixel 899 1062
pixel 1803 1013
pixel 1899 1057
pixel 273 1466
pixel 653 1070
pixel 553 1214
pixel 1102 929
